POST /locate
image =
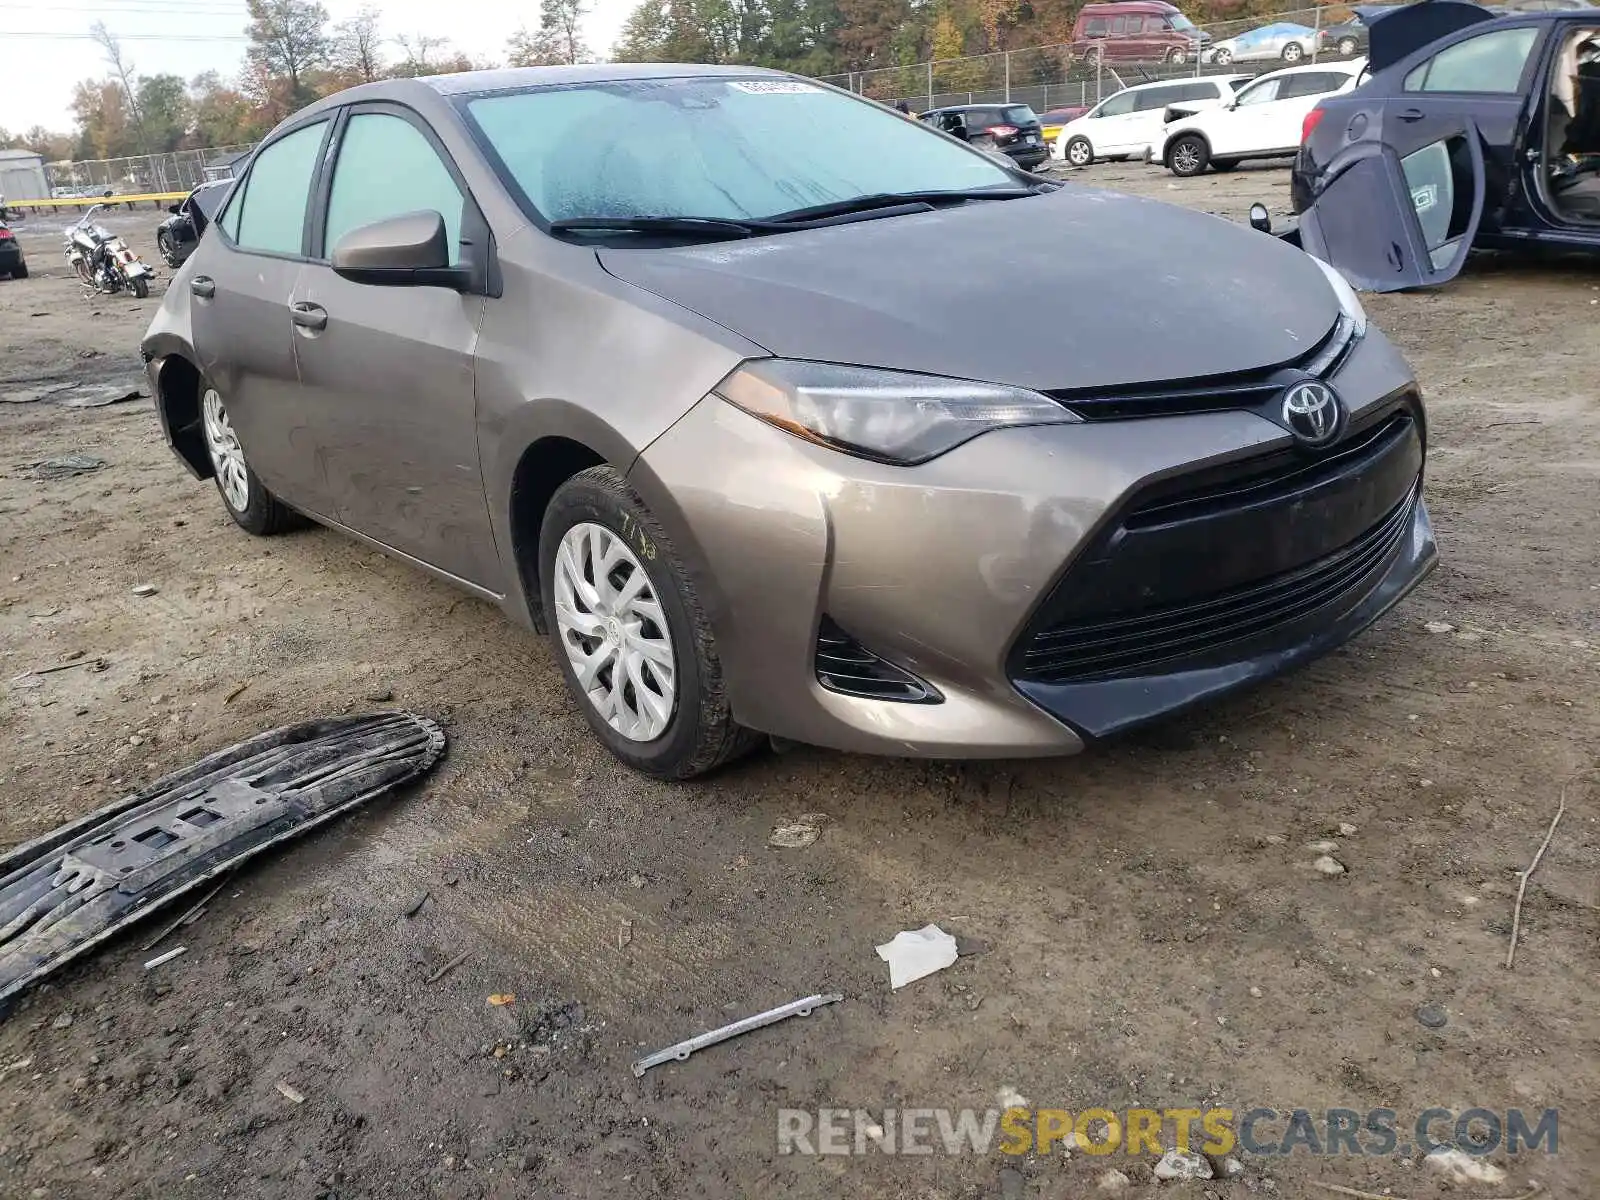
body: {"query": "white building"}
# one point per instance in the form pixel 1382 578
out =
pixel 22 176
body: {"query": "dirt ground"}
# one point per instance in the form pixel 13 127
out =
pixel 1152 932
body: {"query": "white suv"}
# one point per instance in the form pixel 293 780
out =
pixel 1263 121
pixel 1126 124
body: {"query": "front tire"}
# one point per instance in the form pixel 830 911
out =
pixel 1079 152
pixel 169 253
pixel 1177 57
pixel 252 507
pixel 1347 47
pixel 630 633
pixel 1188 156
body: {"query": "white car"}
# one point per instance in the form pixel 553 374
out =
pixel 1126 124
pixel 1263 121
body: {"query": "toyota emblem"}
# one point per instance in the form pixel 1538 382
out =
pixel 1312 412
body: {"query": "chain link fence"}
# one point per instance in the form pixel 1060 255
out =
pixel 177 171
pixel 1081 73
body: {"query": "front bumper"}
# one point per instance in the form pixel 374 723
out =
pixel 951 570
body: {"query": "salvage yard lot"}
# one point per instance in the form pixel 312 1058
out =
pixel 1152 933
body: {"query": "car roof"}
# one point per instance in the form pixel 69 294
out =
pixel 1154 83
pixel 1345 66
pixel 1129 6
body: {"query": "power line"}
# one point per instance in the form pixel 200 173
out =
pixel 130 37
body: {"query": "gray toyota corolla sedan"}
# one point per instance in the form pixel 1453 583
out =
pixel 783 415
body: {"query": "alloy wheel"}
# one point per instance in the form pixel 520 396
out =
pixel 1079 152
pixel 615 632
pixel 227 455
pixel 1186 159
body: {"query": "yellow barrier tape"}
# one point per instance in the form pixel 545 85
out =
pixel 75 202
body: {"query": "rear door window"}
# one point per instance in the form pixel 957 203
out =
pixel 269 213
pixel 1312 83
pixel 1491 62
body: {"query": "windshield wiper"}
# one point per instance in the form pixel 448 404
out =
pixel 855 204
pixel 704 227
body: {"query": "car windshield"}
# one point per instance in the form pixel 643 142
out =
pixel 1179 21
pixel 720 147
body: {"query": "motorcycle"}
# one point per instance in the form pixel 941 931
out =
pixel 102 260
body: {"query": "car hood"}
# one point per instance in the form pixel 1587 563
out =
pixel 1071 289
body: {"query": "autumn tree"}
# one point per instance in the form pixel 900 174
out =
pixel 288 39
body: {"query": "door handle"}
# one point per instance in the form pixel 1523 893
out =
pixel 308 316
pixel 203 286
pixel 1412 114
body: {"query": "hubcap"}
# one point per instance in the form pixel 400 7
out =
pixel 615 632
pixel 1080 153
pixel 227 456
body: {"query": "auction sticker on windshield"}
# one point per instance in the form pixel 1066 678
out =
pixel 772 87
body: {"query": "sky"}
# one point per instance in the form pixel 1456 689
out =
pixel 47 50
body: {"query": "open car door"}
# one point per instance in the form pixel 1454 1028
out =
pixel 1400 211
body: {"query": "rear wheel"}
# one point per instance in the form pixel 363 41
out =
pixel 1079 153
pixel 253 508
pixel 1189 155
pixel 1222 57
pixel 1293 52
pixel 631 635
pixel 169 254
pixel 141 287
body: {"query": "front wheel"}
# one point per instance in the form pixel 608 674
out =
pixel 1177 57
pixel 141 287
pixel 169 253
pixel 631 635
pixel 1347 47
pixel 1293 52
pixel 1188 155
pixel 1079 153
pixel 252 507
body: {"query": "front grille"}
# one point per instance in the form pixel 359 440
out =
pixel 1267 477
pixel 1216 393
pixel 1136 644
pixel 845 666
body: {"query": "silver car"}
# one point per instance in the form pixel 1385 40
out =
pixel 1282 41
pixel 766 406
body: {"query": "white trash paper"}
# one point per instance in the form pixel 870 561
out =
pixel 917 952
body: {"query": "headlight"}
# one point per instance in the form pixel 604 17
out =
pixel 891 416
pixel 1349 302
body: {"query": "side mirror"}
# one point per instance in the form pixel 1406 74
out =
pixel 107 193
pixel 411 250
pixel 1260 219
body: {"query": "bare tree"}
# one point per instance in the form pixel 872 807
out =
pixel 357 49
pixel 543 48
pixel 417 47
pixel 124 71
pixel 564 19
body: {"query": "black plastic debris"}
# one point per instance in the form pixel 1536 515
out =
pixel 71 393
pixel 71 889
pixel 66 466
